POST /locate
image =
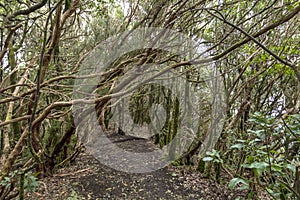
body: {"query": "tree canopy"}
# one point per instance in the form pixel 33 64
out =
pixel 253 45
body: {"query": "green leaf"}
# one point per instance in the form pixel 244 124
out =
pixel 261 152
pixel 253 142
pixel 270 191
pixel 210 153
pixel 257 165
pixel 250 159
pixel 207 159
pixel 297 116
pixel 173 174
pixel 291 167
pixel 258 171
pixel 276 167
pixel 237 146
pixel 241 141
pixel 233 183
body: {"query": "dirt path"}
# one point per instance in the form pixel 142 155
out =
pixel 87 178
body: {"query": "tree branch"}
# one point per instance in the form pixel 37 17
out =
pixel 250 37
pixel 27 11
pixel 9 37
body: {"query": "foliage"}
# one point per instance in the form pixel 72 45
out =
pixel 30 180
pixel 253 44
pixel 269 154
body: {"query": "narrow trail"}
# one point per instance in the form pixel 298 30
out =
pixel 87 178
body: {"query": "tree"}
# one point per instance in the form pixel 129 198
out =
pixel 252 43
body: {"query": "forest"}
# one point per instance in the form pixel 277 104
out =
pixel 203 87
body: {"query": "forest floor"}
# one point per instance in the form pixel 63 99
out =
pixel 87 178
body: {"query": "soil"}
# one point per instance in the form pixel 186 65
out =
pixel 87 178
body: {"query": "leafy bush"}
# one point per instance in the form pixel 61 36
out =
pixel 270 156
